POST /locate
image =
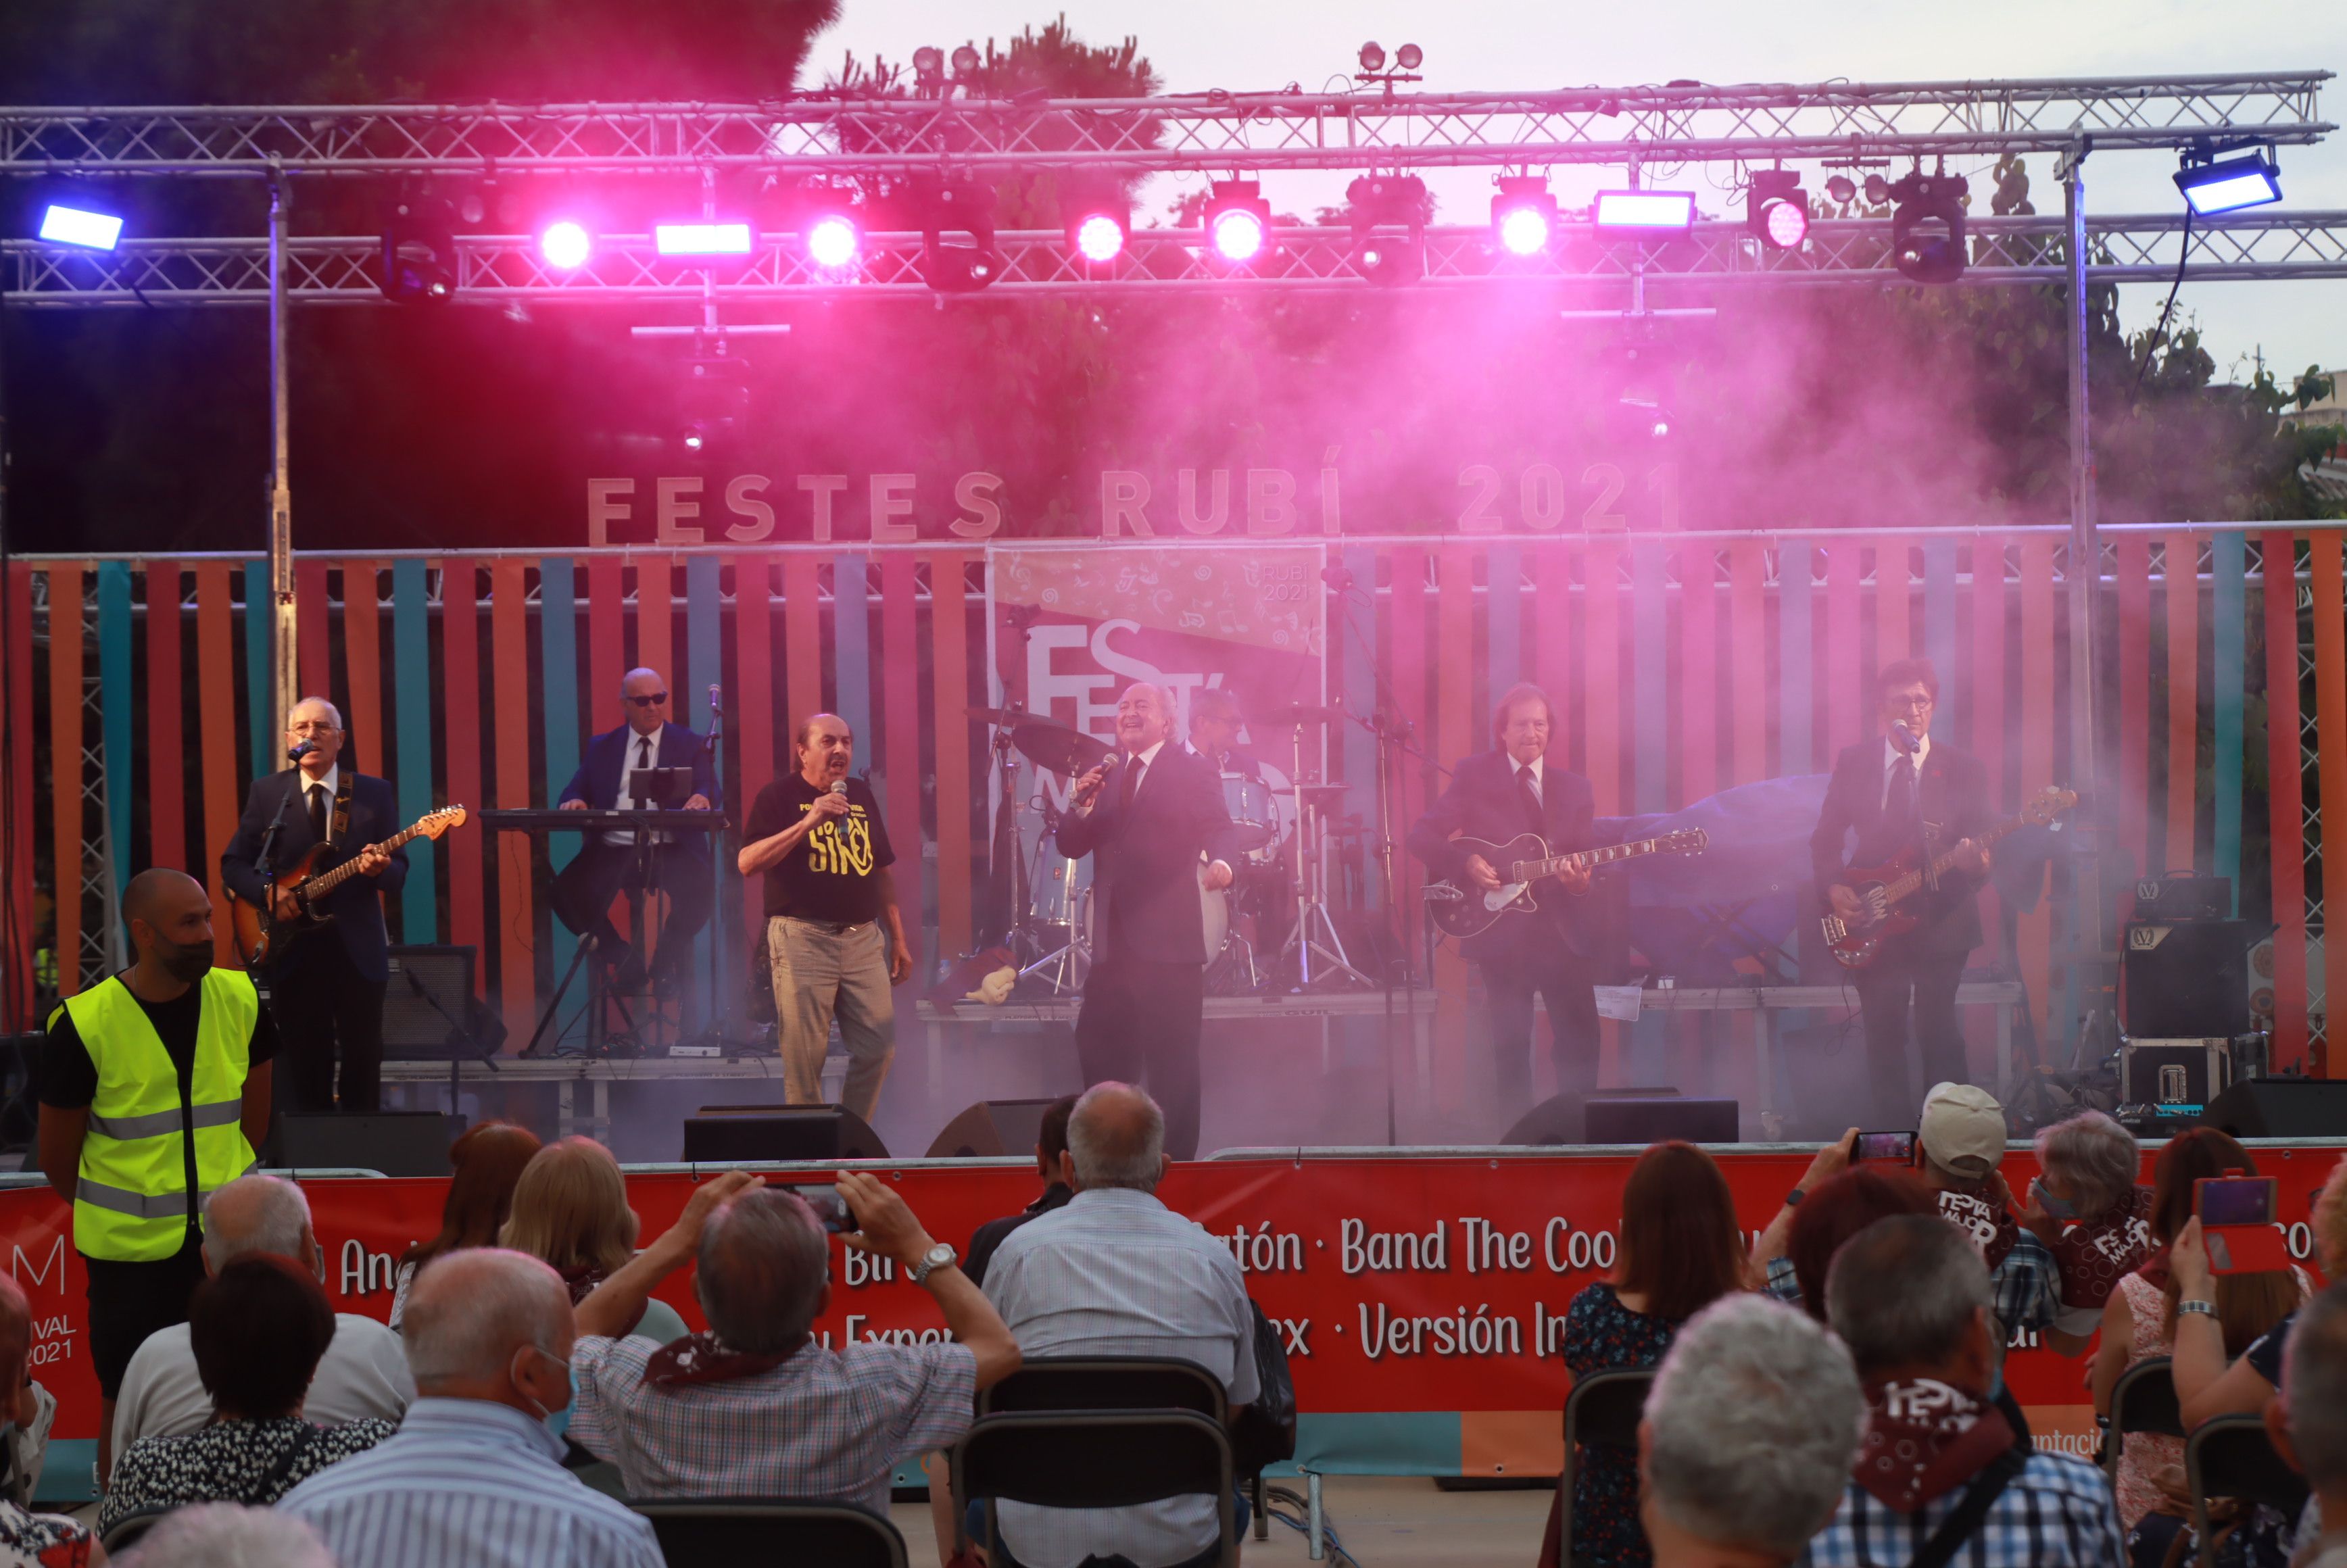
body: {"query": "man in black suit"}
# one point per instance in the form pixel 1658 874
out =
pixel 679 865
pixel 1149 816
pixel 1903 792
pixel 325 987
pixel 1495 795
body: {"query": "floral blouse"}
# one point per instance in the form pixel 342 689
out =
pixel 1602 1335
pixel 252 1462
pixel 42 1540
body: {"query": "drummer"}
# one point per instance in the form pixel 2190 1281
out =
pixel 1214 733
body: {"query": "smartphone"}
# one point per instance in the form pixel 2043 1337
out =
pixel 1899 1147
pixel 2233 1200
pixel 829 1207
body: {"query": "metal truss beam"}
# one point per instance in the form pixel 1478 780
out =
pixel 507 269
pixel 1210 131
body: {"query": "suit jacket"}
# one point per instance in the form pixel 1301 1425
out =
pixel 1145 901
pixel 1951 797
pixel 597 782
pixel 355 906
pixel 1484 802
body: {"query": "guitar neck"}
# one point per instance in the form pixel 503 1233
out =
pixel 1533 870
pixel 326 882
pixel 1913 880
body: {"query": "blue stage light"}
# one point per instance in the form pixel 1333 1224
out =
pixel 75 226
pixel 2229 184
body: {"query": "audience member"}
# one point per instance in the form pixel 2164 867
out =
pixel 228 1535
pixel 1748 1437
pixel 2087 1208
pixel 1959 1146
pixel 473 1478
pixel 2206 1386
pixel 258 1328
pixel 2309 1424
pixel 362 1375
pixel 1117 1273
pixel 1681 1250
pixel 1909 1297
pixel 484 1165
pixel 1051 1142
pixel 571 1211
pixel 756 1407
pixel 1822 1214
pixel 29 1540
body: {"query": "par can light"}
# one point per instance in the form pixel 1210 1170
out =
pixel 834 242
pixel 566 244
pixel 1523 215
pixel 1238 221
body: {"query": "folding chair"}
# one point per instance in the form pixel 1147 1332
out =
pixel 1603 1408
pixel 2143 1400
pixel 128 1529
pixel 1119 1383
pixel 1096 1458
pixel 750 1530
pixel 2232 1457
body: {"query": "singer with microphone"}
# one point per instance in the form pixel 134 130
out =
pixel 816 837
pixel 326 984
pixel 1908 791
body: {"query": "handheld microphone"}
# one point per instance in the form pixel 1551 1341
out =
pixel 839 786
pixel 716 699
pixel 299 749
pixel 1903 737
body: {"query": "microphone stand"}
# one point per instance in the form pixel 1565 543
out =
pixel 720 1003
pixel 265 862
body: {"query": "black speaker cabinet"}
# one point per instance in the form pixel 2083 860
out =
pixel 429 1010
pixel 992 1127
pixel 2185 981
pixel 2281 1108
pixel 396 1142
pixel 1596 1117
pixel 733 1135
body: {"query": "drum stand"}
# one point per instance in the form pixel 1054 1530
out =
pixel 1064 966
pixel 1319 957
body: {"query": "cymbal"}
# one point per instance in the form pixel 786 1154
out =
pixel 999 715
pixel 1323 794
pixel 1057 748
pixel 1295 714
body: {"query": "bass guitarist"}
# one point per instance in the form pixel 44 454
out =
pixel 1553 950
pixel 325 985
pixel 1906 791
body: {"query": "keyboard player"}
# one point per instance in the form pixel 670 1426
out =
pixel 680 864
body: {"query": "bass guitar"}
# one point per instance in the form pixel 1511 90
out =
pixel 263 934
pixel 1880 890
pixel 1469 911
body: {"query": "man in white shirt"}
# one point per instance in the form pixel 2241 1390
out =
pixel 364 1370
pixel 1116 1273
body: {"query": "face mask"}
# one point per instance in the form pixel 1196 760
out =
pixel 2059 1208
pixel 569 1387
pixel 187 965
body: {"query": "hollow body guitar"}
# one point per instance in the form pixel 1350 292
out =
pixel 262 936
pixel 1880 890
pixel 1469 911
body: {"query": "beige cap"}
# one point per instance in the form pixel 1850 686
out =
pixel 1963 1129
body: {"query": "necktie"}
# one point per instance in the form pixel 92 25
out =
pixel 1132 785
pixel 1900 808
pixel 318 813
pixel 1526 787
pixel 643 759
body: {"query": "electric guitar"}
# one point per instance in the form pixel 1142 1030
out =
pixel 263 934
pixel 1469 911
pixel 1880 890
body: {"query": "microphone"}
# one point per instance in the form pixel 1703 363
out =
pixel 839 786
pixel 299 749
pixel 1903 737
pixel 716 700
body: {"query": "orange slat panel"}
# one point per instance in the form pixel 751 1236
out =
pixel 655 631
pixel 2286 800
pixel 216 718
pixel 2331 779
pixel 460 665
pixel 2184 697
pixel 362 658
pixel 166 754
pixel 509 693
pixel 802 639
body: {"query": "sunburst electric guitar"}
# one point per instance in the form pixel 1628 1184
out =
pixel 261 935
pixel 1880 890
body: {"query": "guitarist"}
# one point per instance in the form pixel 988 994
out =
pixel 1898 795
pixel 1496 795
pixel 325 987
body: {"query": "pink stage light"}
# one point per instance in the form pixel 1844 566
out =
pixel 1789 225
pixel 1100 237
pixel 833 242
pixel 1238 234
pixel 1524 231
pixel 566 244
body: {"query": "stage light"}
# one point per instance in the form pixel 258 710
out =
pixel 566 244
pixel 1927 227
pixel 1523 214
pixel 928 61
pixel 834 243
pixel 966 61
pixel 2229 184
pixel 1410 57
pixel 1237 222
pixel 80 226
pixel 1099 237
pixel 1776 209
pixel 419 252
pixel 715 400
pixel 1841 189
pixel 1878 191
pixel 1373 56
pixel 702 239
pixel 1661 214
pixel 1387 213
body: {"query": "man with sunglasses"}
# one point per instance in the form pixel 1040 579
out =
pixel 679 862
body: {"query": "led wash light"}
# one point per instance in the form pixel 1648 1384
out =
pixel 1238 222
pixel 834 243
pixel 702 239
pixel 1660 213
pixel 1523 215
pixel 2227 185
pixel 1098 238
pixel 73 226
pixel 566 244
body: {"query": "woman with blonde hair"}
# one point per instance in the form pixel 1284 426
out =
pixel 570 1211
pixel 483 1164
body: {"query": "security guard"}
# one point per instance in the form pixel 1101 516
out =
pixel 154 1093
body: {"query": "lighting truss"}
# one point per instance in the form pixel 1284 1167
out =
pixel 1215 131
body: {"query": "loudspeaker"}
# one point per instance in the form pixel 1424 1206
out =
pixel 1565 1119
pixel 2281 1108
pixel 731 1134
pixel 429 1010
pixel 396 1143
pixel 992 1127
pixel 1652 1121
pixel 2184 898
pixel 2186 981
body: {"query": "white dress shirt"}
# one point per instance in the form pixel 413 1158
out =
pixel 1890 755
pixel 1540 777
pixel 364 1373
pixel 636 756
pixel 330 784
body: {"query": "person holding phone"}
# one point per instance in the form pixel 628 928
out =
pixel 2207 1386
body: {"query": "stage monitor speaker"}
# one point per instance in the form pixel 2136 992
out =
pixel 731 1135
pixel 2280 1108
pixel 1625 1121
pixel 429 1010
pixel 2185 981
pixel 993 1127
pixel 1563 1119
pixel 396 1143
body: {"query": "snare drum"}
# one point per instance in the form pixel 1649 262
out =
pixel 1255 813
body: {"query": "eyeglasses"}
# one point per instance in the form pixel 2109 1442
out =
pixel 649 700
pixel 1910 702
pixel 311 727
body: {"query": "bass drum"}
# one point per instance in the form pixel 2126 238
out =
pixel 1213 907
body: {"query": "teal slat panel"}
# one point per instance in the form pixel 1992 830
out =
pixel 1353 614
pixel 851 625
pixel 1407 1442
pixel 258 703
pixel 1503 609
pixel 412 706
pixel 1940 625
pixel 1650 712
pixel 2228 569
pixel 116 696
pixel 1795 702
pixel 702 645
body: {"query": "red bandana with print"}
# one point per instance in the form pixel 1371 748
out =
pixel 1978 1212
pixel 1925 1438
pixel 2094 1256
pixel 705 1359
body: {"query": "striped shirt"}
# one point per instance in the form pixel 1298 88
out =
pixel 2058 1512
pixel 469 1483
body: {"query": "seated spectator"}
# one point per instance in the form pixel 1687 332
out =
pixel 258 1328
pixel 2309 1424
pixel 2206 1386
pixel 1117 1273
pixel 1681 1250
pixel 1748 1437
pixel 228 1535
pixel 1051 1142
pixel 756 1407
pixel 1828 1205
pixel 29 1540
pixel 363 1376
pixel 485 1164
pixel 473 1478
pixel 2087 1208
pixel 1959 1146
pixel 1909 1297
pixel 571 1211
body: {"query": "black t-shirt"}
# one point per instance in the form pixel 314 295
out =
pixel 833 873
pixel 2264 1354
pixel 70 1077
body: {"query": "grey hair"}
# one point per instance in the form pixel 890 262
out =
pixel 281 1212
pixel 1905 1290
pixel 317 702
pixel 229 1535
pixel 2314 1389
pixel 1114 1150
pixel 1755 1419
pixel 469 1311
pixel 2099 1158
pixel 764 1266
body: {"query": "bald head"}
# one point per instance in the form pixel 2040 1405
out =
pixel 258 1213
pixel 469 1312
pixel 825 747
pixel 158 892
pixel 170 920
pixel 638 687
pixel 1116 1137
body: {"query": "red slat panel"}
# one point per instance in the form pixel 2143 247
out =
pixel 18 673
pixel 460 664
pixel 2330 615
pixel 949 630
pixel 1698 692
pixel 1842 680
pixel 312 642
pixel 65 751
pixel 166 753
pixel 2286 801
pixel 1748 577
pixel 216 719
pixel 2133 783
pixel 655 635
pixel 607 650
pixel 509 691
pixel 362 658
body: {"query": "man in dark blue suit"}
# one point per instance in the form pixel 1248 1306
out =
pixel 680 864
pixel 1495 795
pixel 1158 833
pixel 325 986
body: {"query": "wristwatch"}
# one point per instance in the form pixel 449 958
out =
pixel 2198 1309
pixel 1793 1199
pixel 938 1257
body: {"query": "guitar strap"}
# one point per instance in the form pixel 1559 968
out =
pixel 340 832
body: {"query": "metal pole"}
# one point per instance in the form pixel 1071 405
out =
pixel 2084 574
pixel 283 650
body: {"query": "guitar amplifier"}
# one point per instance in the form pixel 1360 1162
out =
pixel 2173 1078
pixel 2184 898
pixel 2185 979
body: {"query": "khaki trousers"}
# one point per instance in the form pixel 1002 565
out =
pixel 822 972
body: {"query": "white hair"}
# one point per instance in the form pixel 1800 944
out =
pixel 229 1535
pixel 1755 1419
pixel 1116 1136
pixel 2095 1156
pixel 314 702
pixel 469 1311
pixel 275 1221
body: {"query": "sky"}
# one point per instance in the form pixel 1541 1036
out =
pixel 1487 45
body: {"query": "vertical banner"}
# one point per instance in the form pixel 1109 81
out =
pixel 509 684
pixel 2329 617
pixel 1748 625
pixel 362 658
pixel 1700 665
pixel 754 633
pixel 1797 643
pixel 897 746
pixel 2133 785
pixel 411 646
pixel 115 689
pixel 2227 694
pixel 460 664
pixel 2038 665
pixel 1456 733
pixel 950 654
pixel 17 658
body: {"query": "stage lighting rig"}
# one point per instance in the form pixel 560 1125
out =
pixel 956 207
pixel 1927 225
pixel 1406 61
pixel 1523 215
pixel 1776 209
pixel 715 399
pixel 2211 185
pixel 1389 218
pixel 80 227
pixel 1237 222
pixel 419 250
